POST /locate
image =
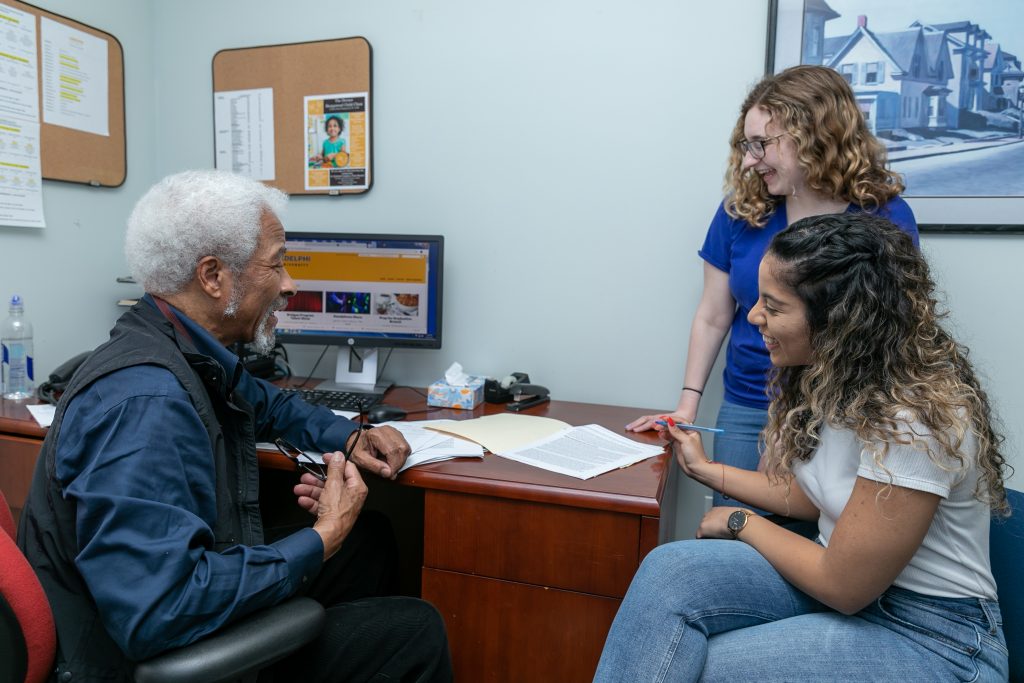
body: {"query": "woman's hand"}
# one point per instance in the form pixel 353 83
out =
pixel 689 449
pixel 646 422
pixel 715 523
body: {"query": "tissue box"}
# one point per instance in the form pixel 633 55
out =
pixel 443 395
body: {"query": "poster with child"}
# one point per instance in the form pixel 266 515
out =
pixel 337 141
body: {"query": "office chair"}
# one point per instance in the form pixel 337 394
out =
pixel 28 638
pixel 1006 540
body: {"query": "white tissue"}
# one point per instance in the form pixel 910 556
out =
pixel 455 377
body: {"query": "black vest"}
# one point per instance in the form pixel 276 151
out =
pixel 46 534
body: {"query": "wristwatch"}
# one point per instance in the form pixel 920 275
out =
pixel 738 521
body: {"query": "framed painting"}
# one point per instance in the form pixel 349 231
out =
pixel 940 84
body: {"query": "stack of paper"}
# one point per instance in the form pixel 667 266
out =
pixel 434 446
pixel 426 446
pixel 581 452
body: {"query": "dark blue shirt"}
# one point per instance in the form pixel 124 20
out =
pixel 135 457
pixel 736 247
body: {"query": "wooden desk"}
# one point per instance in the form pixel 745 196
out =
pixel 20 439
pixel 528 567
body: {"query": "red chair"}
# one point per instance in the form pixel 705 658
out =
pixel 28 640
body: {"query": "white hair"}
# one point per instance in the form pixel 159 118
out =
pixel 193 214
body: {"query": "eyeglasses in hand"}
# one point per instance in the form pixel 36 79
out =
pixel 755 148
pixel 301 460
pixel 306 463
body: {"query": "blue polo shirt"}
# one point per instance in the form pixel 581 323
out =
pixel 735 247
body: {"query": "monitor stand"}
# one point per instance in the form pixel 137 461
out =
pixel 356 371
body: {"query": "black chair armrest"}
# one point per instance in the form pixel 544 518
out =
pixel 247 645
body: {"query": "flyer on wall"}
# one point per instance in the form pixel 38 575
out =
pixel 21 181
pixel 337 141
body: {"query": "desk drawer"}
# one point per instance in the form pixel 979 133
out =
pixel 503 631
pixel 579 549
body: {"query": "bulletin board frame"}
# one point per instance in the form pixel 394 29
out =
pixel 296 71
pixel 77 156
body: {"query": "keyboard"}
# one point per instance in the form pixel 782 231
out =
pixel 350 401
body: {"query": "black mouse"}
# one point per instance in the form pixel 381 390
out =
pixel 384 413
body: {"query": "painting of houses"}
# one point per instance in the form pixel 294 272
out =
pixel 939 82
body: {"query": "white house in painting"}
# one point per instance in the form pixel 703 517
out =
pixel 967 54
pixel 1002 76
pixel 816 13
pixel 924 76
pixel 899 77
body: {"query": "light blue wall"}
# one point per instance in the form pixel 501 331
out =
pixel 571 152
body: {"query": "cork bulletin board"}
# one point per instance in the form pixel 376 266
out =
pixel 307 80
pixel 77 156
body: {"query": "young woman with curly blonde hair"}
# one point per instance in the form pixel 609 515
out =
pixel 881 433
pixel 800 148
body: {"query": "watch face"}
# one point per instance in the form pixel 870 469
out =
pixel 737 521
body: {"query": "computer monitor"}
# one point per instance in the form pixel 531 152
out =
pixel 362 292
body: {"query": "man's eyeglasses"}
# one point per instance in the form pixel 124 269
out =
pixel 755 148
pixel 306 463
pixel 301 460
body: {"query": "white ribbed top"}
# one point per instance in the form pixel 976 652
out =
pixel 953 559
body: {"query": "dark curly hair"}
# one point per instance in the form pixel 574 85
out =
pixel 880 357
pixel 842 159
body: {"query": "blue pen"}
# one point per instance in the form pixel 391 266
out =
pixel 695 428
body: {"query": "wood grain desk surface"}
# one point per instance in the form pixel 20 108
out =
pixel 636 489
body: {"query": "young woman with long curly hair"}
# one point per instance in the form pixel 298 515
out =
pixel 799 148
pixel 879 431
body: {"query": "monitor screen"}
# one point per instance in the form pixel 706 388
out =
pixel 363 290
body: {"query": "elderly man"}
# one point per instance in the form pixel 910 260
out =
pixel 143 521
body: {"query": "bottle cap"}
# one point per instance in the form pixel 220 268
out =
pixel 16 300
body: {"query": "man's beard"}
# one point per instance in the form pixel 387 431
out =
pixel 263 343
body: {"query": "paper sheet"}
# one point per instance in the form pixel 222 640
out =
pixel 243 125
pixel 21 179
pixel 43 413
pixel 583 452
pixel 19 80
pixel 75 86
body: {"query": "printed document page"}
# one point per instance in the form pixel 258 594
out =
pixel 243 125
pixel 582 452
pixel 19 82
pixel 75 88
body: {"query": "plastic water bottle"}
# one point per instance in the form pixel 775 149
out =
pixel 16 340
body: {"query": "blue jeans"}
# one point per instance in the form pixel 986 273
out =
pixel 713 610
pixel 738 446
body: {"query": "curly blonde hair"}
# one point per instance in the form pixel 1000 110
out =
pixel 879 353
pixel 842 159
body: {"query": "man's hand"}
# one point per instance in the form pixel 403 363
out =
pixel 308 492
pixel 381 450
pixel 338 503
